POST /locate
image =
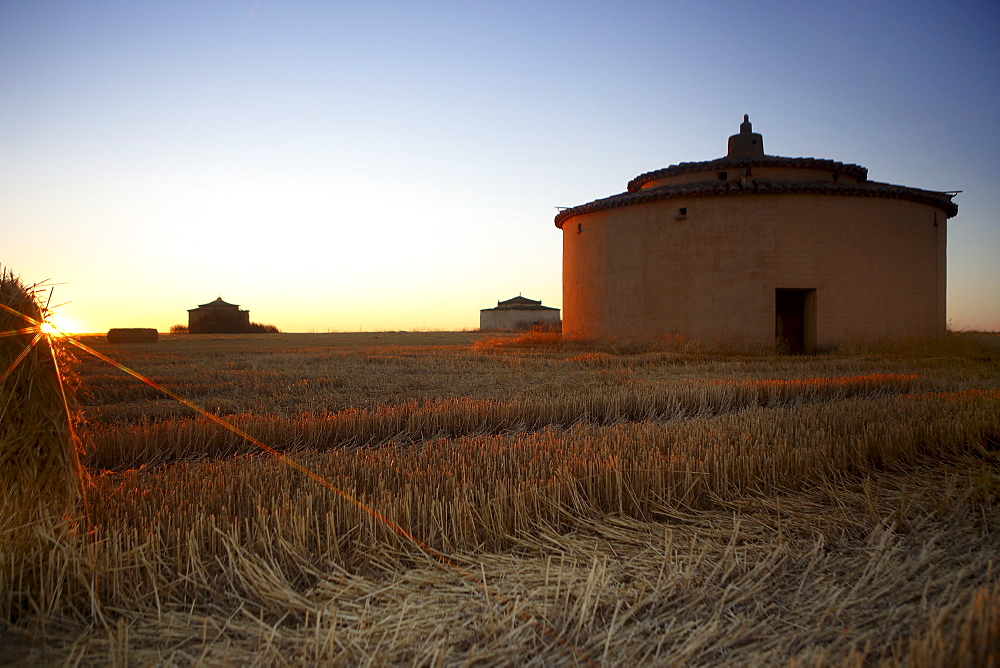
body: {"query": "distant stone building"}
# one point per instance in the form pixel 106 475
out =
pixel 218 317
pixel 518 313
pixel 751 247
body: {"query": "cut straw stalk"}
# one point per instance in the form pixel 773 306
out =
pixel 155 442
pixel 39 469
pixel 758 580
pixel 485 491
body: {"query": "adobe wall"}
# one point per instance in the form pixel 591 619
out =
pixel 516 319
pixel 877 265
pixel 218 321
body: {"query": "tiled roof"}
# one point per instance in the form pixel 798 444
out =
pixel 857 171
pixel 759 187
pixel 216 303
pixel 521 304
pixel 518 300
pixel 521 307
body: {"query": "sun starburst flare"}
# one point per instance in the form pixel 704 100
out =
pixel 45 324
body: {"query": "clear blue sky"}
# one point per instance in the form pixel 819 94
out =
pixel 374 165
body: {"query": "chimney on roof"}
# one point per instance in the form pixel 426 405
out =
pixel 747 143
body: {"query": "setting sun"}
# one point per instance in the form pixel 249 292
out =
pixel 499 332
pixel 58 325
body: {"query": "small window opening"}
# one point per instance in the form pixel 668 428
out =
pixel 579 228
pixel 683 211
pixel 723 176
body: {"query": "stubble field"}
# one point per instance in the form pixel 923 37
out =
pixel 524 500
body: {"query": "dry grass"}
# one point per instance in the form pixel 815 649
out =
pixel 133 335
pixel 954 344
pixel 290 375
pixel 977 345
pixel 160 441
pixel 39 470
pixel 645 506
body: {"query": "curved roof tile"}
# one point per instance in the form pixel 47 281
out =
pixel 760 187
pixel 217 303
pixel 856 171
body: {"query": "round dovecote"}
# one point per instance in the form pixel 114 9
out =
pixel 717 250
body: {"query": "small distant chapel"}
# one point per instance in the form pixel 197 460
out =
pixel 518 313
pixel 218 317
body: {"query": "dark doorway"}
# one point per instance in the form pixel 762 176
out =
pixel 795 320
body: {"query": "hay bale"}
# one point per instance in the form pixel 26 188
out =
pixel 133 335
pixel 40 472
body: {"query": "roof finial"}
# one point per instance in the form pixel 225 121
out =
pixel 747 143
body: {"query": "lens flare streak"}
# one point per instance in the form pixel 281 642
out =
pixel 40 327
pixel 18 332
pixel 21 356
pixel 440 557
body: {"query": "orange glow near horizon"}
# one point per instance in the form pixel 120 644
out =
pixel 59 325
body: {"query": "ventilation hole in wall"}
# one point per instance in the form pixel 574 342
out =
pixel 723 176
pixel 579 228
pixel 683 211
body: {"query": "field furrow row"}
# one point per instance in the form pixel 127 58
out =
pixel 118 447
